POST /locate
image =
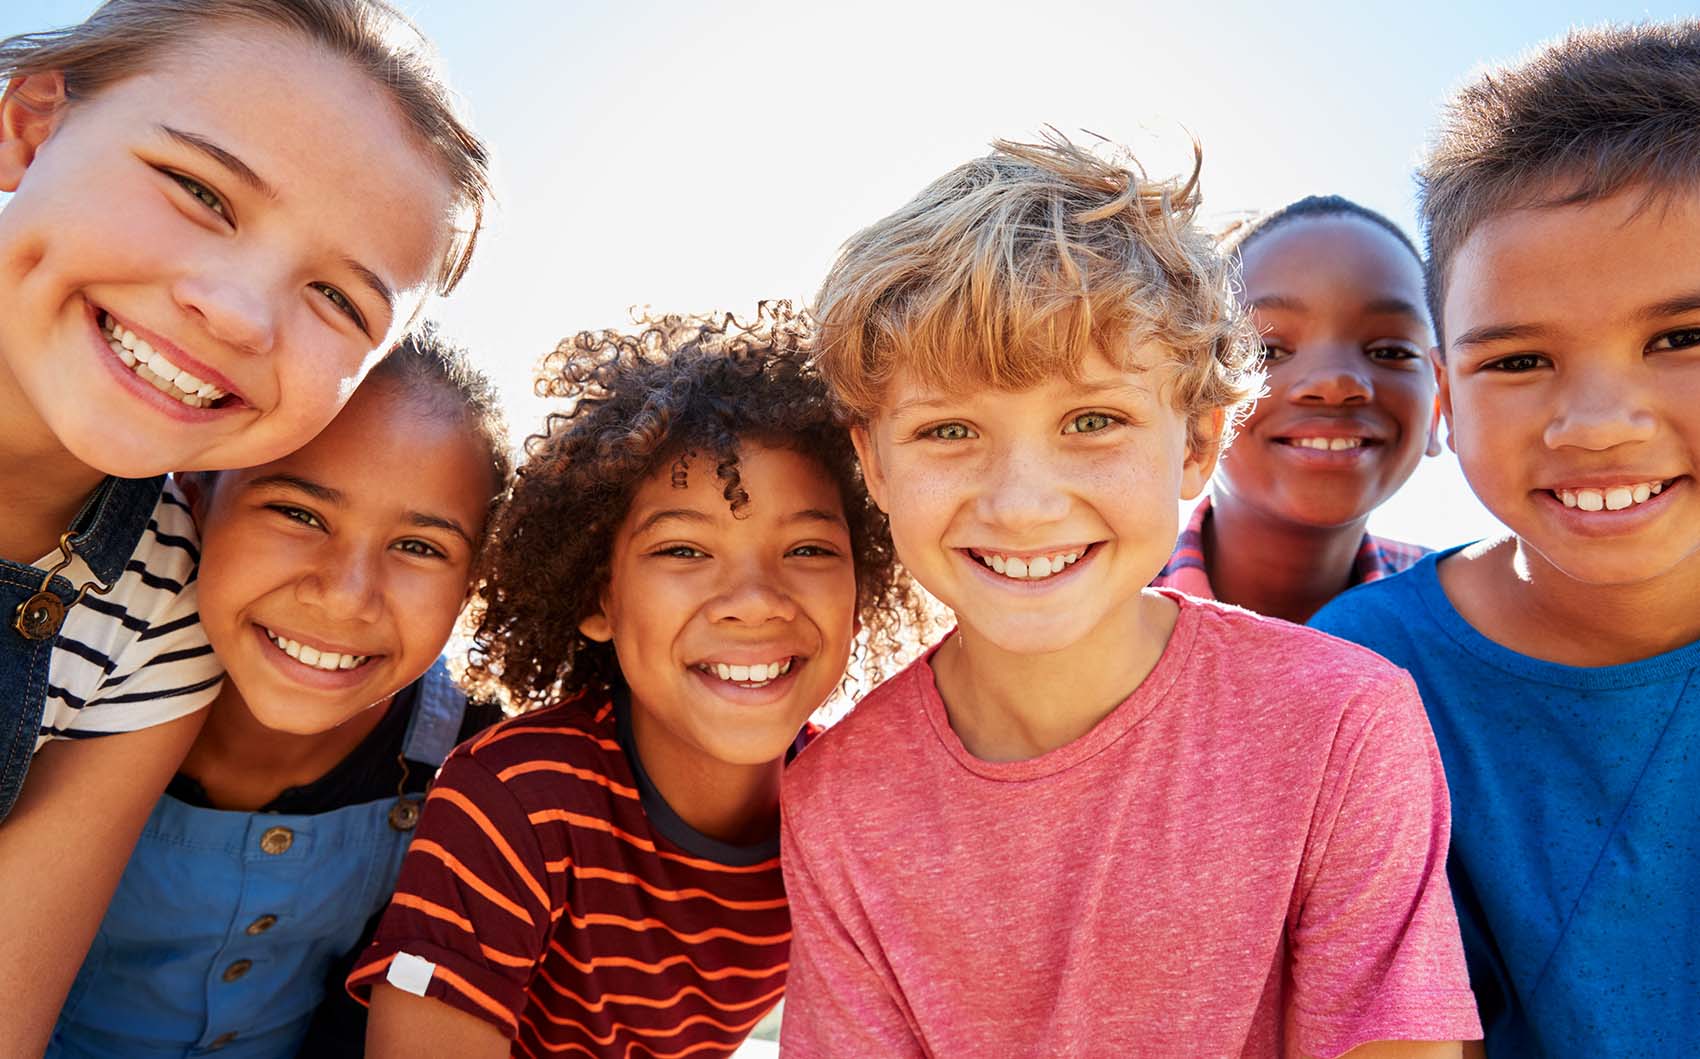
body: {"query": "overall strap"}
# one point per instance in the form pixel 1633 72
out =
pixel 434 728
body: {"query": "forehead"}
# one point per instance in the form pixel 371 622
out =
pixel 1145 366
pixel 390 448
pixel 1577 267
pixel 779 481
pixel 351 176
pixel 1337 249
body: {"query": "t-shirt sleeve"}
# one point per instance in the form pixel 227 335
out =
pixel 137 656
pixel 1376 952
pixel 836 1003
pixel 471 917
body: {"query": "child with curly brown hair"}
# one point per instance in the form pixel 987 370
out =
pixel 686 560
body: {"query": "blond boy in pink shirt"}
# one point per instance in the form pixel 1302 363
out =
pixel 1096 819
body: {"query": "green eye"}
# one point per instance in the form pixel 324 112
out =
pixel 296 514
pixel 200 193
pixel 1089 423
pixel 950 432
pixel 341 301
pixel 419 548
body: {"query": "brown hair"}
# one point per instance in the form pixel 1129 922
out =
pixel 122 37
pixel 1582 119
pixel 680 392
pixel 1008 270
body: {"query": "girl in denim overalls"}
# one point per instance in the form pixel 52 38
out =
pixel 218 211
pixel 331 579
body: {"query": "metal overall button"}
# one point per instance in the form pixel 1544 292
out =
pixel 40 616
pixel 277 840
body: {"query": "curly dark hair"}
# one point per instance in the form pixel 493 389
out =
pixel 674 390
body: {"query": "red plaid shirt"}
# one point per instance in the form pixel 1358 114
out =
pixel 1377 558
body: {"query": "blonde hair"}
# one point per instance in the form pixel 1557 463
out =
pixel 122 37
pixel 1008 270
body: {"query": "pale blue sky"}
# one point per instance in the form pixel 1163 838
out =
pixel 693 157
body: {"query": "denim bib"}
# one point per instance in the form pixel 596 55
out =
pixel 226 923
pixel 104 535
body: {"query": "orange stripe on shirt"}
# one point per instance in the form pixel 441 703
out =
pixel 596 823
pixel 597 778
pixel 491 832
pixel 602 919
pixel 467 876
pixel 661 965
pixel 477 996
pixel 437 911
pixel 660 1002
pixel 581 872
pixel 502 732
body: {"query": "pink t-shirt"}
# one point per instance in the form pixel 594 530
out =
pixel 1246 857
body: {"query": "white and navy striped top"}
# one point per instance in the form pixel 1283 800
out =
pixel 137 656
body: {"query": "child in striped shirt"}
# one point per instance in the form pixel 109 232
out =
pixel 182 287
pixel 1336 292
pixel 677 583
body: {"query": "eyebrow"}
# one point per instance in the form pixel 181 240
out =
pixel 424 521
pixel 1481 336
pixel 335 496
pixel 299 484
pixel 815 514
pixel 223 158
pixel 1378 307
pixel 1682 303
pixel 683 514
pixel 372 280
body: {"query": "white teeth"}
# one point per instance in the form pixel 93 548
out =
pixel 156 368
pixel 1611 498
pixel 1035 568
pixel 1326 444
pixel 312 656
pixel 750 676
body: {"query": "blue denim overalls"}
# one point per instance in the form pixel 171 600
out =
pixel 226 923
pixel 32 607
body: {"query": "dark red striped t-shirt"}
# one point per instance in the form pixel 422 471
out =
pixel 560 899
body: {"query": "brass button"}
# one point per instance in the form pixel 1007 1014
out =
pixel 221 1040
pixel 237 970
pixel 39 617
pixel 277 840
pixel 263 924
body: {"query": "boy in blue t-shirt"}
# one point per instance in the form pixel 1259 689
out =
pixel 1561 664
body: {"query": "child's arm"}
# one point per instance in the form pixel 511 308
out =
pixel 62 850
pixel 1406 1050
pixel 836 1003
pixel 1375 943
pixel 419 1027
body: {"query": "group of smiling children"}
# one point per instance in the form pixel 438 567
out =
pixel 1119 809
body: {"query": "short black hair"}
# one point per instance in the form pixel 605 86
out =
pixel 1238 238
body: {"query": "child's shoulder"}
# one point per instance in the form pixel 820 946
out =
pixel 872 735
pixel 541 755
pixel 1238 645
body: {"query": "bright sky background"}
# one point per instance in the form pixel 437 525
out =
pixel 703 156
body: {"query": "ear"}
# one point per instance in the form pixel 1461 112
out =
pixel 1442 404
pixel 30 109
pixel 873 472
pixel 1201 457
pixel 597 625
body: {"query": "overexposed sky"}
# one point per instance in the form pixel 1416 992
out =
pixel 694 157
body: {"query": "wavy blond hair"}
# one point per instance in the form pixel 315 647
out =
pixel 1008 270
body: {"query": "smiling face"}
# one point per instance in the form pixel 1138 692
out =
pixel 331 578
pixel 187 286
pixel 1351 403
pixel 1037 516
pixel 1572 383
pixel 729 630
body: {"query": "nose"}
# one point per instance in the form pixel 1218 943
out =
pixel 236 309
pixel 346 585
pixel 1022 490
pixel 1599 410
pixel 1332 375
pixel 752 594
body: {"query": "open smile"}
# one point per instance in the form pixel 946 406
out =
pixel 746 675
pixel 319 665
pixel 143 362
pixel 1031 566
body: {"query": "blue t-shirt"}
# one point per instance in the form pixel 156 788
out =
pixel 1575 856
